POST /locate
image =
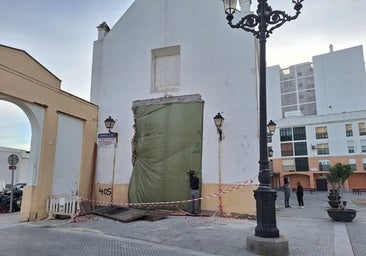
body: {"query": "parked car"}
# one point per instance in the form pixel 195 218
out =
pixel 17 189
pixel 19 186
pixel 5 203
pixel 6 189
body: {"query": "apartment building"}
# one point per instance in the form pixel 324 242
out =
pixel 320 112
pixel 304 148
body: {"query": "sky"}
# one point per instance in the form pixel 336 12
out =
pixel 60 35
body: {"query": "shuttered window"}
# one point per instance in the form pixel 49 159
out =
pixel 288 165
pixel 361 129
pixel 165 69
pixel 323 149
pixel 321 132
pixel 349 131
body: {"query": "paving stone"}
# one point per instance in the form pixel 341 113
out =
pixel 309 231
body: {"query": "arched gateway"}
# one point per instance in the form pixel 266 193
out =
pixel 63 127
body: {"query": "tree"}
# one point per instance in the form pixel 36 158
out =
pixel 338 174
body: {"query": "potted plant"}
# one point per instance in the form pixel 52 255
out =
pixel 334 197
pixel 338 174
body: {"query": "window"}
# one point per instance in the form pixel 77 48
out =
pixel 299 133
pixel 306 96
pixel 165 69
pixel 300 149
pixel 308 109
pixel 288 99
pixel 302 164
pixel 324 165
pixel 287 149
pixel 285 134
pixel 288 86
pixel 364 163
pixel 362 129
pixel 321 132
pixel 363 146
pixel 352 163
pixel 269 138
pixel 349 132
pixel 351 146
pixel 323 149
pixel 288 165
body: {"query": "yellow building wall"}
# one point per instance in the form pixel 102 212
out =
pixel 236 202
pixel 23 79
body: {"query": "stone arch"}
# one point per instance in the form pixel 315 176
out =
pixel 33 166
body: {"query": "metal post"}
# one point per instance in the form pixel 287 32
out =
pixel 12 188
pixel 114 163
pixel 261 25
pixel 221 210
pixel 265 196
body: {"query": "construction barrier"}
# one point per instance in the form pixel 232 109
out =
pixel 219 193
pixel 62 205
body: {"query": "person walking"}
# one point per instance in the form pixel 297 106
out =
pixel 287 192
pixel 300 195
pixel 194 183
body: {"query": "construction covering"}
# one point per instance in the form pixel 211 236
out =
pixel 168 142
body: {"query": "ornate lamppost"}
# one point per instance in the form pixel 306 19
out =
pixel 109 124
pixel 261 25
pixel 219 121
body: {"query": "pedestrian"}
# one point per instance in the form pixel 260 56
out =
pixel 287 192
pixel 300 195
pixel 194 183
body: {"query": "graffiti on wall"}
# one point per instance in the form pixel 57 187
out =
pixel 105 191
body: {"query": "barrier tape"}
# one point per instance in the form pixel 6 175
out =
pixel 219 193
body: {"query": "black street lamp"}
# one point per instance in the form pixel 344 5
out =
pixel 261 25
pixel 219 120
pixel 271 127
pixel 109 123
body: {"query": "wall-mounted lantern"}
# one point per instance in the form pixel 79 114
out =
pixel 219 121
pixel 271 127
pixel 109 123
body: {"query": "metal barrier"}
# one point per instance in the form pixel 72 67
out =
pixel 62 205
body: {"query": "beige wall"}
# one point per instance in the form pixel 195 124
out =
pixel 26 82
pixel 237 202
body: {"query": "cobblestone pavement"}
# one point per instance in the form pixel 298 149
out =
pixel 309 231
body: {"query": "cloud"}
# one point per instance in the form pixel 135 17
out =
pixel 320 24
pixel 15 129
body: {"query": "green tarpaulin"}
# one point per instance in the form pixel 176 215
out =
pixel 168 142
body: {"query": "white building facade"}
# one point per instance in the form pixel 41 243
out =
pixel 305 147
pixel 320 112
pixel 163 72
pixel 334 82
pixel 21 172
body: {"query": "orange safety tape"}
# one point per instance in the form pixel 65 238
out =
pixel 239 186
